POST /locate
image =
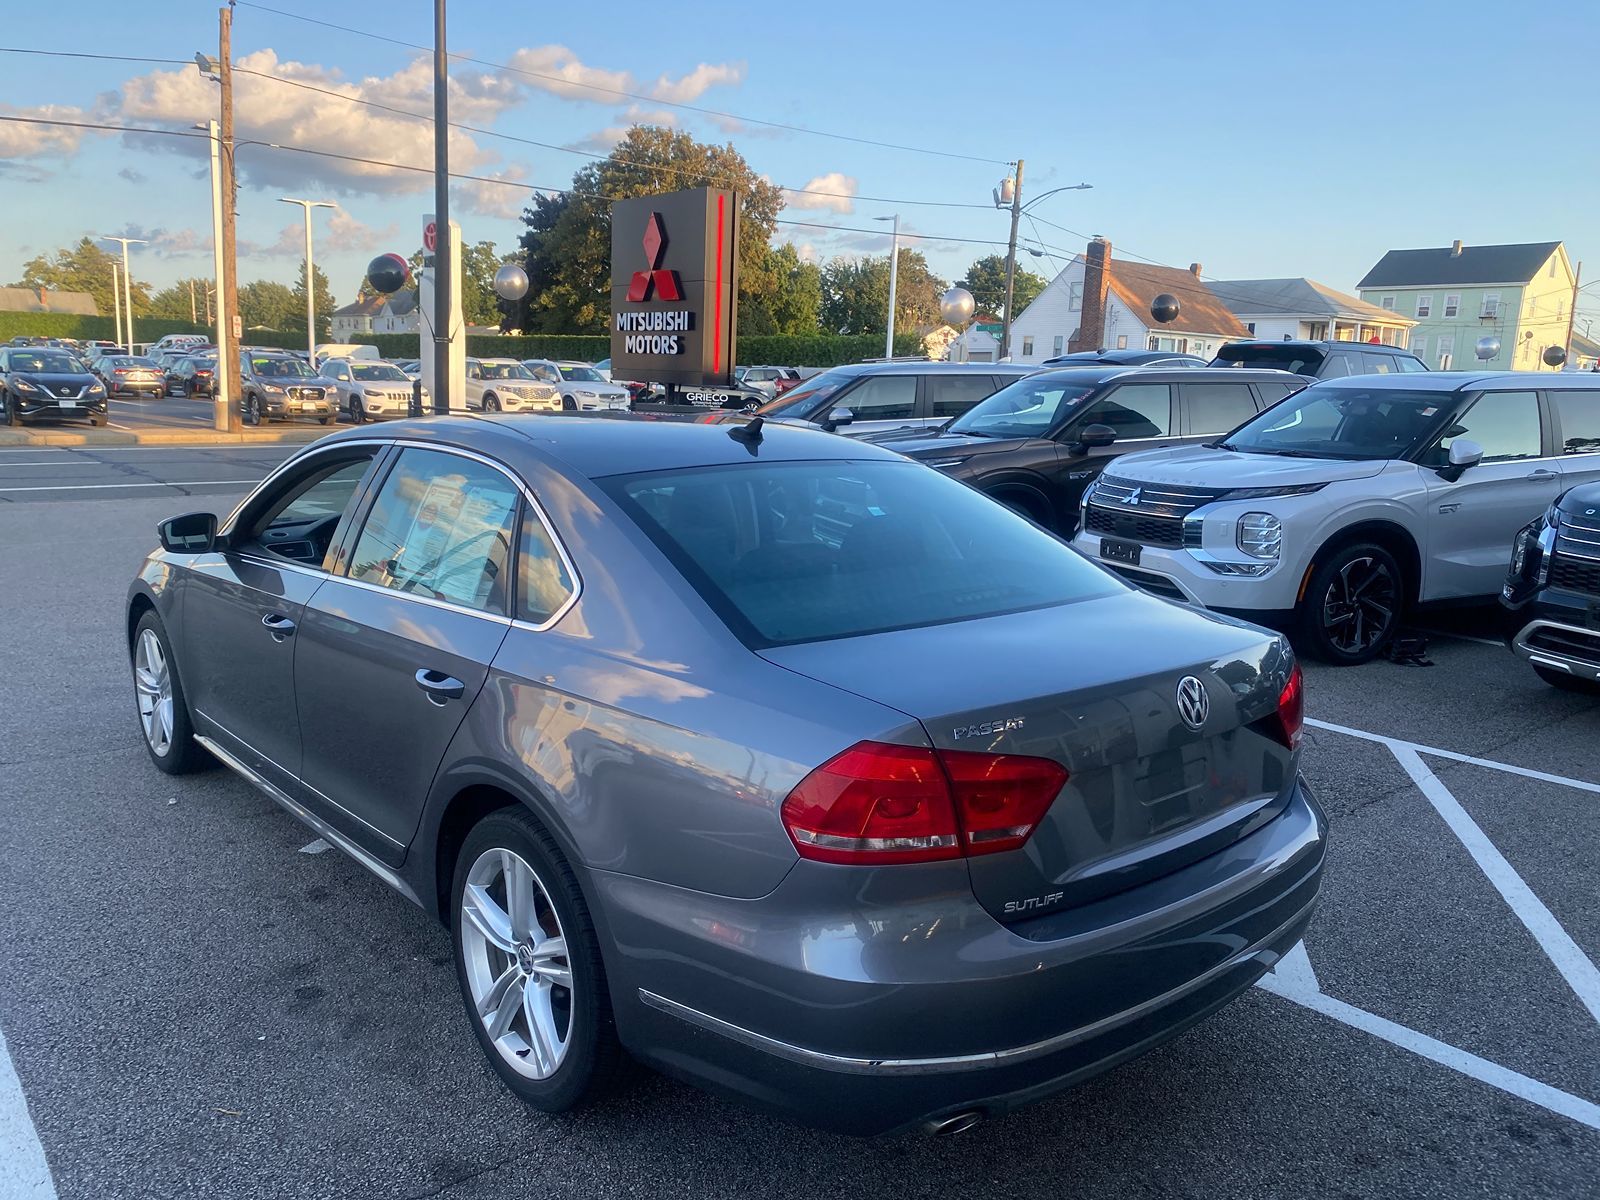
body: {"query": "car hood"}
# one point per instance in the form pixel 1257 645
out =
pixel 1201 466
pixel 919 443
pixel 1584 497
pixel 53 378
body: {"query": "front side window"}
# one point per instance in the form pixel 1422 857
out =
pixel 1137 410
pixel 544 372
pixel 952 395
pixel 1580 421
pixel 440 528
pixel 298 522
pixel 1505 424
pixel 882 398
pixel 1218 407
pixel 806 551
pixel 810 398
pixel 1027 408
pixel 1344 421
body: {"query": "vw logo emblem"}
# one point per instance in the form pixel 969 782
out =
pixel 1133 496
pixel 1194 705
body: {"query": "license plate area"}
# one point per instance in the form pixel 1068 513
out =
pixel 1118 550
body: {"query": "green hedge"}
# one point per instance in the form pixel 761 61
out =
pixel 806 350
pixel 145 329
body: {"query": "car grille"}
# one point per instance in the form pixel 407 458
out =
pixel 1575 575
pixel 66 390
pixel 1147 512
pixel 1153 531
pixel 1567 642
pixel 305 393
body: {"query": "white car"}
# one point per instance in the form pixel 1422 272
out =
pixel 1350 502
pixel 366 390
pixel 582 386
pixel 505 385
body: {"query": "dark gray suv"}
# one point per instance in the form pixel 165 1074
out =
pixel 1320 360
pixel 775 759
pixel 876 397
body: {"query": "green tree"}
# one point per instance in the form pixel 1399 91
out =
pixel 173 303
pixel 325 302
pixel 264 304
pixel 568 241
pixel 787 298
pixel 83 268
pixel 855 294
pixel 986 280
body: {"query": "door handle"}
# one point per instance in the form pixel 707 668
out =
pixel 1542 473
pixel 278 625
pixel 439 686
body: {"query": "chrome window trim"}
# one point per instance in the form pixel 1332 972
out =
pixel 849 1065
pixel 380 443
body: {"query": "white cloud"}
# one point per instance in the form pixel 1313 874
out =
pixel 169 243
pixel 601 141
pixel 687 88
pixel 562 73
pixel 832 192
pixel 21 140
pixel 495 199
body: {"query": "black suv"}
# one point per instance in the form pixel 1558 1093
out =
pixel 41 381
pixel 1555 583
pixel 868 398
pixel 1319 360
pixel 1125 358
pixel 1037 443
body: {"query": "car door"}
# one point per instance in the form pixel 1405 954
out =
pixel 1577 413
pixel 242 606
pixel 392 652
pixel 339 374
pixel 1473 519
pixel 474 384
pixel 877 402
pixel 947 395
pixel 1143 417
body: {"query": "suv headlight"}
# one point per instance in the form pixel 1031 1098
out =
pixel 97 389
pixel 586 395
pixel 24 385
pixel 272 389
pixel 1260 535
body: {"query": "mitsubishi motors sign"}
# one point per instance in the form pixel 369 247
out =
pixel 675 287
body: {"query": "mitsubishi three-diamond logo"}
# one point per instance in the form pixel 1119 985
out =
pixel 653 279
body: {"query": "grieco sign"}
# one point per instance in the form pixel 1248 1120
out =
pixel 675 287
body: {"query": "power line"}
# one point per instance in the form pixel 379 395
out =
pixel 594 87
pixel 101 57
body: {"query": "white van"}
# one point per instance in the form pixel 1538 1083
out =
pixel 347 350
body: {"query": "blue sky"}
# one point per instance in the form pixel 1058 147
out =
pixel 1257 139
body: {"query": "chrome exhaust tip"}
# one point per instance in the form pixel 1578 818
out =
pixel 955 1123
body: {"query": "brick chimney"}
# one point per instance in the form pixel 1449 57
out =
pixel 44 300
pixel 1091 333
pixel 1455 248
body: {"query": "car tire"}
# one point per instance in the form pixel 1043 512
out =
pixel 252 410
pixel 491 403
pixel 13 417
pixel 558 1073
pixel 1568 683
pixel 568 404
pixel 1035 508
pixel 157 688
pixel 98 420
pixel 324 420
pixel 358 411
pixel 1342 617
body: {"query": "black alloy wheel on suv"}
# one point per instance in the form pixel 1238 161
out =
pixel 1353 604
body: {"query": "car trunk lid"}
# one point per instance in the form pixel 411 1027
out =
pixel 1094 686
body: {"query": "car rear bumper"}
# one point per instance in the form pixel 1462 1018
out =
pixel 886 1014
pixel 142 388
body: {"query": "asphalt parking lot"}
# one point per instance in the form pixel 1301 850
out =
pixel 194 1001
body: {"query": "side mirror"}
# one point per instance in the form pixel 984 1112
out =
pixel 1464 453
pixel 192 533
pixel 1092 437
pixel 837 417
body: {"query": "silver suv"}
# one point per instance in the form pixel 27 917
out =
pixel 1351 501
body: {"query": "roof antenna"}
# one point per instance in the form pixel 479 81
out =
pixel 749 433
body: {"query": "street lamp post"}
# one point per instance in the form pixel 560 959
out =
pixel 116 299
pixel 1010 193
pixel 442 282
pixel 127 289
pixel 311 275
pixel 894 275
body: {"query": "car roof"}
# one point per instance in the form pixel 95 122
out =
pixel 916 367
pixel 1306 343
pixel 598 448
pixel 1104 374
pixel 1454 381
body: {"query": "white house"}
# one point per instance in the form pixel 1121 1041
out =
pixel 1296 309
pixel 376 314
pixel 1098 302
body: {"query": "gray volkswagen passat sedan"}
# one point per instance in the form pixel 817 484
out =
pixel 781 762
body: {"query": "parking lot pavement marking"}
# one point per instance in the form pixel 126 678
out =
pixel 97 487
pixel 1446 1055
pixel 1554 940
pixel 24 1173
pixel 1582 785
pixel 316 847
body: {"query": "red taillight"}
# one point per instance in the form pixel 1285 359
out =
pixel 1292 708
pixel 119 371
pixel 881 803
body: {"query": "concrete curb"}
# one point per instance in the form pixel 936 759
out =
pixel 161 437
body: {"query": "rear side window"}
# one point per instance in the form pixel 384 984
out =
pixel 952 395
pixel 1271 393
pixel 1218 407
pixel 882 398
pixel 1505 424
pixel 1406 363
pixel 543 581
pixel 440 528
pixel 1580 421
pixel 1136 410
pixel 806 551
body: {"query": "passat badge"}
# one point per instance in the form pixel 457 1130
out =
pixel 1194 705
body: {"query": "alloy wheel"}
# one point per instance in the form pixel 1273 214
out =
pixel 517 968
pixel 152 680
pixel 1359 606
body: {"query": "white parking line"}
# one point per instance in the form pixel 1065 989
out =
pixel 71 462
pixel 24 1173
pixel 95 487
pixel 1582 785
pixel 1558 946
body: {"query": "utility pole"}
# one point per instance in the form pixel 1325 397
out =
pixel 311 274
pixel 1572 313
pixel 221 393
pixel 442 283
pixel 1011 261
pixel 127 289
pixel 116 300
pixel 194 314
pixel 228 299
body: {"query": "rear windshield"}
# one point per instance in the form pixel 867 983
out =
pixel 803 552
pixel 1343 421
pixel 1301 360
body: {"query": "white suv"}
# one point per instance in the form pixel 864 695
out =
pixel 505 385
pixel 1350 501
